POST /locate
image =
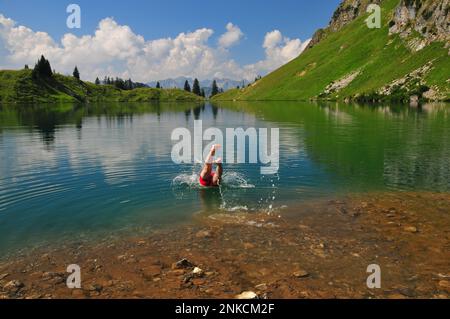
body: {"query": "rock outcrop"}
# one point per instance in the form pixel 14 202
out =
pixel 347 11
pixel 430 19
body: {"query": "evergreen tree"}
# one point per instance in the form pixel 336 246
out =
pixel 158 86
pixel 196 88
pixel 187 87
pixel 42 68
pixel 97 81
pixel 215 88
pixel 129 84
pixel 203 93
pixel 26 67
pixel 76 73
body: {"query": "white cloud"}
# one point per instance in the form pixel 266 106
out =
pixel 115 50
pixel 279 50
pixel 231 37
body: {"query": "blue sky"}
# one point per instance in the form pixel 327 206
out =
pixel 295 19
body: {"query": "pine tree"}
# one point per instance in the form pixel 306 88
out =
pixel 97 81
pixel 47 68
pixel 187 87
pixel 215 88
pixel 26 67
pixel 129 84
pixel 203 93
pixel 76 73
pixel 42 68
pixel 158 86
pixel 196 88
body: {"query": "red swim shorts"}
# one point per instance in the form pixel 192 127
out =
pixel 208 182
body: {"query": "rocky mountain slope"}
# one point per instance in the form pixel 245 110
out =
pixel 407 59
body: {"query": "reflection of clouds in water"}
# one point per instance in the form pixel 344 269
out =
pixel 24 150
pixel 114 144
pixel 117 144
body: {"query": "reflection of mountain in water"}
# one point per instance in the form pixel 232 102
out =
pixel 368 147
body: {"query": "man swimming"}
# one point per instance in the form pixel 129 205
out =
pixel 208 178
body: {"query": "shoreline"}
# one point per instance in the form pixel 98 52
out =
pixel 320 249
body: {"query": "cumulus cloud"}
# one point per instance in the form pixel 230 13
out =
pixel 231 37
pixel 279 50
pixel 115 50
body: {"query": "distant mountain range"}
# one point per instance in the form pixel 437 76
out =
pixel 178 83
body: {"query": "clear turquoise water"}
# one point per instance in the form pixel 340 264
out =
pixel 71 171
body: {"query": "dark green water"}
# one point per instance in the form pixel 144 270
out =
pixel 71 171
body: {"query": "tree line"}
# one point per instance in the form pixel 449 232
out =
pixel 42 69
pixel 199 91
pixel 120 83
pixel 195 88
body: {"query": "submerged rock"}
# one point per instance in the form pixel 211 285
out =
pixel 13 286
pixel 411 229
pixel 95 288
pixel 247 295
pixel 198 272
pixel 445 284
pixel 203 234
pixel 301 274
pixel 262 286
pixel 3 276
pixel 54 277
pixel 182 264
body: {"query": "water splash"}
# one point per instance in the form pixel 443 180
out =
pixel 235 192
pixel 230 180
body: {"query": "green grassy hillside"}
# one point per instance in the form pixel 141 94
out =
pixel 20 87
pixel 368 59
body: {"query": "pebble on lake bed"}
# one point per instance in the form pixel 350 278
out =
pixel 198 272
pixel 203 234
pixel 444 284
pixel 13 286
pixel 247 295
pixel 182 264
pixel 3 276
pixel 300 274
pixel 411 229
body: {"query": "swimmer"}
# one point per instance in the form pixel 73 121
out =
pixel 208 178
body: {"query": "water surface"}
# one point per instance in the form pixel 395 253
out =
pixel 68 171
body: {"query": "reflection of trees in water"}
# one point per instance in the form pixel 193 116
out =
pixel 402 148
pixel 215 111
pixel 197 111
pixel 367 146
pixel 187 114
pixel 397 146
